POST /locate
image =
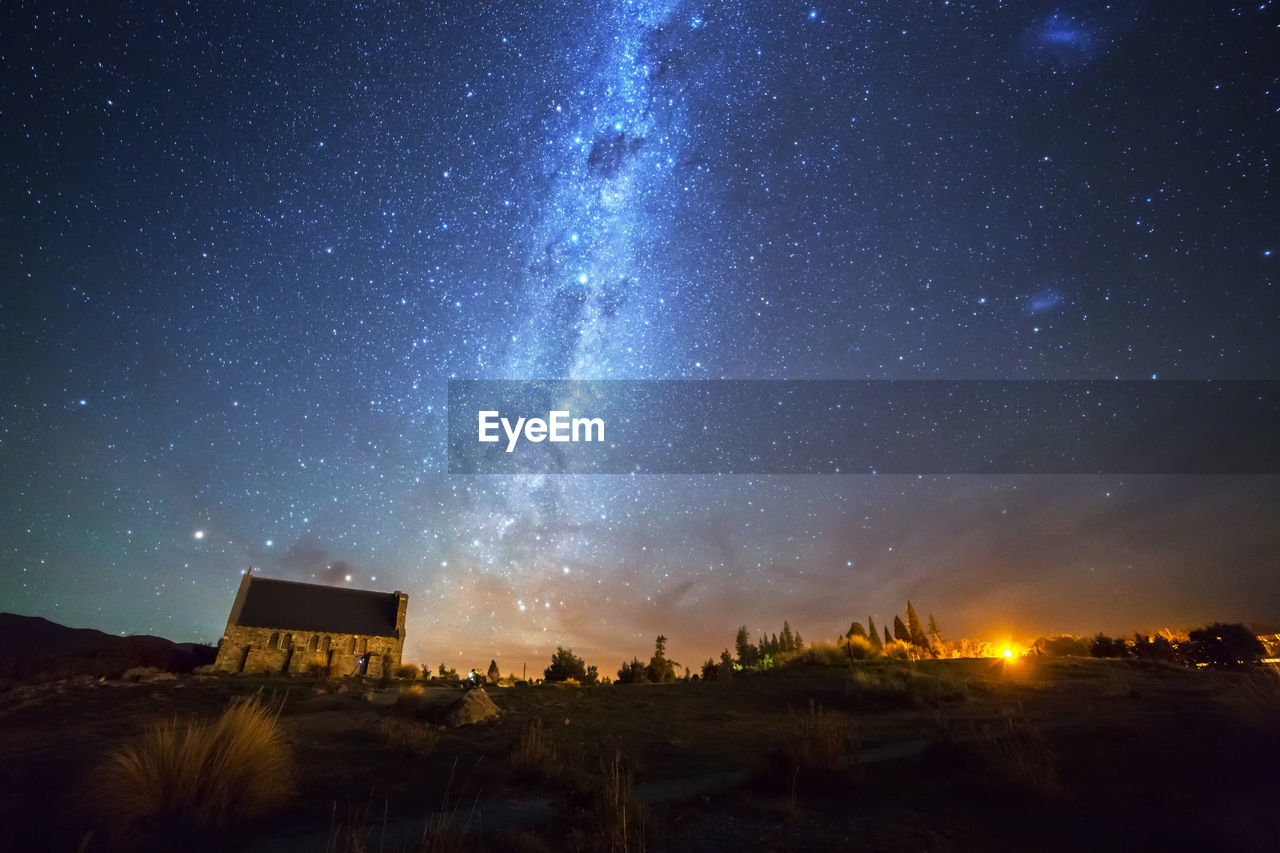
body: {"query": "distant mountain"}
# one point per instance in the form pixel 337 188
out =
pixel 35 648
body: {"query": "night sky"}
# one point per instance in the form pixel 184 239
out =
pixel 245 247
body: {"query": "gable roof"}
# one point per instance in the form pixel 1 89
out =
pixel 270 603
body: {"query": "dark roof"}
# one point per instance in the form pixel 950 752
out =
pixel 271 603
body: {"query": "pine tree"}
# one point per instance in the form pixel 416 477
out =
pixel 872 634
pixel 786 642
pixel 797 644
pixel 915 633
pixel 725 669
pixel 900 630
pixel 887 639
pixel 746 651
pixel 660 670
pixel 935 635
pixel 856 630
pixel 493 676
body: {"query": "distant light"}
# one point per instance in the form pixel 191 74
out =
pixel 565 569
pixel 1008 653
pixel 582 279
pixel 348 578
pixel 270 542
pixel 199 534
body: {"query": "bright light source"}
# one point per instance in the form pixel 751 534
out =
pixel 1008 653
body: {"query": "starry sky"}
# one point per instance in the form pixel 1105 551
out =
pixel 245 247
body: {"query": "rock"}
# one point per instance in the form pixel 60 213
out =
pixel 475 706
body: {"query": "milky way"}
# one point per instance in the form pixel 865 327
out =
pixel 246 249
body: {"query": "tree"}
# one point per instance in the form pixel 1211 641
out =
pixel 872 634
pixel 935 634
pixel 710 670
pixel 914 632
pixel 747 653
pixel 565 665
pixel 887 639
pixel 786 642
pixel 1225 645
pixel 855 630
pixel 660 670
pixel 1105 647
pixel 726 665
pixel 900 631
pixel 493 675
pixel 450 674
pixel 631 673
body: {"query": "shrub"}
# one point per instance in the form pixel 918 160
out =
pixel 859 648
pixel 899 650
pixel 201 774
pixel 407 671
pixel 1225 645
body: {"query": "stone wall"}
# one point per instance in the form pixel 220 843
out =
pixel 256 650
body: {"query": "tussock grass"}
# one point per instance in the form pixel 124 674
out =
pixel 903 686
pixel 609 818
pixel 409 701
pixel 1253 698
pixel 1016 757
pixel 534 751
pixel 408 737
pixel 200 774
pixel 816 754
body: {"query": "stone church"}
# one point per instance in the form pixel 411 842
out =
pixel 286 626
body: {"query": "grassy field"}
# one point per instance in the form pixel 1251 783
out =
pixel 1033 754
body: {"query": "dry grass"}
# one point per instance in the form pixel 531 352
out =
pixel 1253 698
pixel 817 754
pixel 611 819
pixel 200 774
pixel 904 686
pixel 818 742
pixel 409 701
pixel 1015 758
pixel 408 737
pixel 534 751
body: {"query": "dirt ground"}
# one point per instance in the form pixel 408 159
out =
pixel 1033 754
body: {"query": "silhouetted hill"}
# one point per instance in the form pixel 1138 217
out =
pixel 33 647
